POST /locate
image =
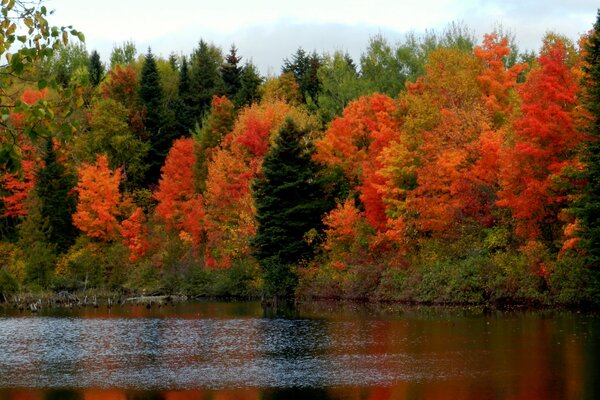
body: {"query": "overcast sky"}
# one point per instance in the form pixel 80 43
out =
pixel 268 31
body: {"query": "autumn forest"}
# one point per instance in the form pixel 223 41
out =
pixel 444 168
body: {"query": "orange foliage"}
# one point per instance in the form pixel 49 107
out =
pixel 496 80
pixel 32 96
pixel 99 199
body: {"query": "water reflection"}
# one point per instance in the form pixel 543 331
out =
pixel 318 351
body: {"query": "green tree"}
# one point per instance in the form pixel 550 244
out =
pixel 205 78
pixel 111 134
pixel 95 69
pixel 340 84
pixel 151 99
pixel 231 72
pixel 588 207
pixel 250 82
pixel 305 67
pixel 183 107
pixel 67 64
pixel 289 206
pixel 123 54
pixel 56 203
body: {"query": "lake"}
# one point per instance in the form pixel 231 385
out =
pixel 211 350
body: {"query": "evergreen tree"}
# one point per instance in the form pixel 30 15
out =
pixel 231 73
pixel 250 83
pixel 305 68
pixel 151 99
pixel 183 111
pixel 95 69
pixel 588 208
pixel 289 204
pixel 56 203
pixel 205 78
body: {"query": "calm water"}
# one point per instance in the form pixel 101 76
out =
pixel 322 351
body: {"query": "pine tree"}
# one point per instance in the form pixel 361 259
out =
pixel 95 69
pixel 231 73
pixel 588 208
pixel 151 99
pixel 250 82
pixel 56 203
pixel 289 204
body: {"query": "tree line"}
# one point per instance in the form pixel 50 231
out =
pixel 435 169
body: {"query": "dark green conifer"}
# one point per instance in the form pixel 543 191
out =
pixel 56 201
pixel 250 83
pixel 151 100
pixel 588 207
pixel 205 78
pixel 183 108
pixel 231 73
pixel 289 206
pixel 95 69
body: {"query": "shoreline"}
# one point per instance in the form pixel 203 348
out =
pixel 35 302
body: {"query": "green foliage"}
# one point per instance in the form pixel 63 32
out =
pixel 8 283
pixel 123 54
pixel 111 134
pixel 340 84
pixel 289 204
pixel 65 63
pixel 56 201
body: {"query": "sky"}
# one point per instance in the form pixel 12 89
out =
pixel 266 32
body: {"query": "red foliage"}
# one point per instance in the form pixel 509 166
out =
pixel 545 137
pixel 354 143
pixel 18 185
pixel 178 203
pixel 134 233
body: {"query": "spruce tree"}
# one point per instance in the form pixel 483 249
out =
pixel 289 204
pixel 305 68
pixel 205 78
pixel 588 208
pixel 151 99
pixel 95 69
pixel 231 73
pixel 183 111
pixel 56 203
pixel 250 83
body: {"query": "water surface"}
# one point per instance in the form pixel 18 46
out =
pixel 321 350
